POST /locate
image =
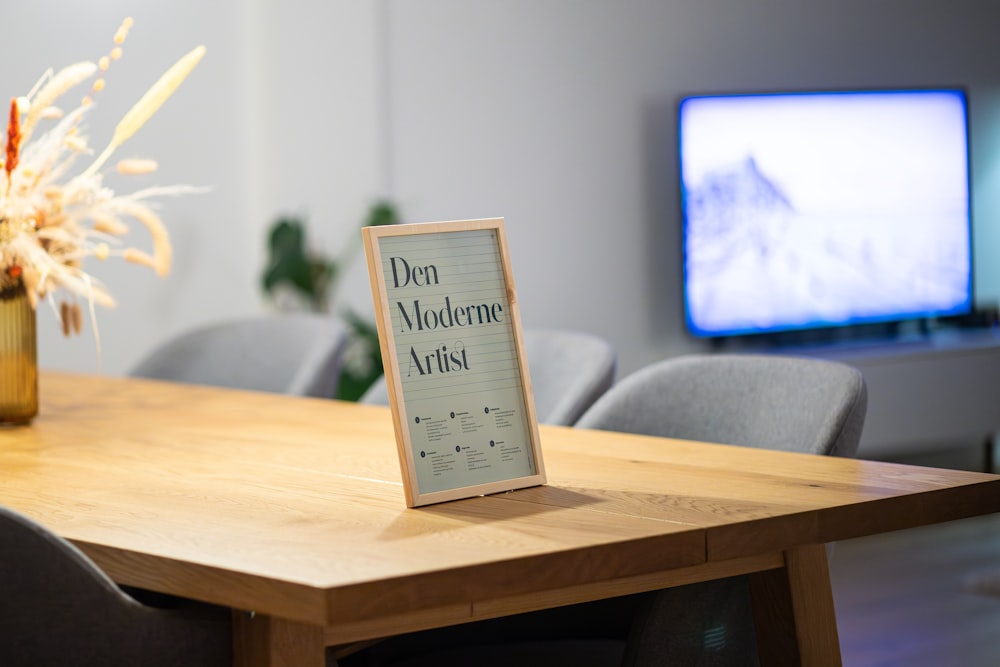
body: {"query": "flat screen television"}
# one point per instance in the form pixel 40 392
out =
pixel 819 210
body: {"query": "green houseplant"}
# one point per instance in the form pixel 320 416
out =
pixel 294 266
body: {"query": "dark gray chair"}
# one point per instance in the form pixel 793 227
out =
pixel 57 608
pixel 765 401
pixel 298 354
pixel 569 370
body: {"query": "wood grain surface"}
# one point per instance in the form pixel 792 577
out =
pixel 294 508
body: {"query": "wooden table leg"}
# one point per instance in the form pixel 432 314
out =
pixel 793 611
pixel 265 641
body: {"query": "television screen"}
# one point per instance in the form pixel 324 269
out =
pixel 824 209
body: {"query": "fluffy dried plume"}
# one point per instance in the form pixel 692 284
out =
pixel 149 104
pixel 66 79
pixel 133 166
pixel 141 257
pixel 14 136
pixel 162 250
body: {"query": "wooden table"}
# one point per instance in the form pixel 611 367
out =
pixel 293 509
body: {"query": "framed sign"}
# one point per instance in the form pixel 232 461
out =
pixel 454 359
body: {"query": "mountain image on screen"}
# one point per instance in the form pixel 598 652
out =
pixel 732 212
pixel 813 225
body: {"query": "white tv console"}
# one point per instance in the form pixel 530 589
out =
pixel 925 392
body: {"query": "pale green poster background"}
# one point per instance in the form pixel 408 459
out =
pixel 458 366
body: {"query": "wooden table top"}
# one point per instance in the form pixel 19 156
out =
pixel 294 507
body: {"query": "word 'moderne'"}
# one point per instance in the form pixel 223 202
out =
pixel 430 319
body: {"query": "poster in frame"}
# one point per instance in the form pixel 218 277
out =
pixel 455 363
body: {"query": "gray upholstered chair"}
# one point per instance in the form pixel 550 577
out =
pixel 57 608
pixel 765 401
pixel 297 354
pixel 569 371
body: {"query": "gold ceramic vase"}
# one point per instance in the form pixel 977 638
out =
pixel 18 357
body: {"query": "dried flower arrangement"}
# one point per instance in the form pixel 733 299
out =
pixel 50 220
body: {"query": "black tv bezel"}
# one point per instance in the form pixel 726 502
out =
pixel 880 328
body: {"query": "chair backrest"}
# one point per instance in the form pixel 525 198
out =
pixel 297 354
pixel 58 608
pixel 765 401
pixel 569 370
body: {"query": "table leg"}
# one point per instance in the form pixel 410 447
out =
pixel 793 610
pixel 265 641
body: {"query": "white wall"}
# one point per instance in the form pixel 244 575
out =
pixel 556 114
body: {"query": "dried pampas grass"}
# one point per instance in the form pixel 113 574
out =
pixel 52 221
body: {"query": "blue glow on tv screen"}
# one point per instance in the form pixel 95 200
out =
pixel 825 209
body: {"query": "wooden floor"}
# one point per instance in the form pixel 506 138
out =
pixel 903 598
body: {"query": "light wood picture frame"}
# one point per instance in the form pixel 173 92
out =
pixel 454 358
